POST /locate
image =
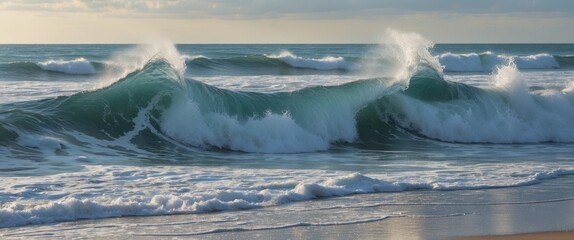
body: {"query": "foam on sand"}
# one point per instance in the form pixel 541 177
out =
pixel 101 192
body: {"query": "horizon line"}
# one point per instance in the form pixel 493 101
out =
pixel 303 43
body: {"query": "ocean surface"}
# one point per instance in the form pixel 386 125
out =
pixel 104 131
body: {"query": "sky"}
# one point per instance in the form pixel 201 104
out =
pixel 285 21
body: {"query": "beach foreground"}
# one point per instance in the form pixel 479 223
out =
pixel 543 207
pixel 528 236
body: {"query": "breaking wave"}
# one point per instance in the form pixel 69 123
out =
pixel 157 102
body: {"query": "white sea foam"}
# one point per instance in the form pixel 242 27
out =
pixel 309 127
pixel 77 66
pixel 507 113
pixel 398 56
pixel 569 89
pixel 325 63
pixel 114 191
pixel 488 61
pixel 41 143
pixel 272 133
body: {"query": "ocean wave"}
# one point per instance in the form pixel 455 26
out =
pixel 79 66
pixel 507 112
pixel 488 61
pixel 155 100
pixel 155 97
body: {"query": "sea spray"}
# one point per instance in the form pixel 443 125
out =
pixel 133 59
pixel 398 57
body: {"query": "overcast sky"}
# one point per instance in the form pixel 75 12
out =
pixel 285 21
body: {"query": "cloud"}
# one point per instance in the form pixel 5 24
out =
pixel 306 9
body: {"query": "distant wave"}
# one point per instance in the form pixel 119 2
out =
pixel 325 63
pixel 538 61
pixel 192 57
pixel 79 66
pixel 284 63
pixel 488 61
pixel 76 67
pixel 287 63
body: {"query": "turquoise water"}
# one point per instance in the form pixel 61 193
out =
pixel 98 131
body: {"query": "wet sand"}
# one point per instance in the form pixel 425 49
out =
pixel 565 235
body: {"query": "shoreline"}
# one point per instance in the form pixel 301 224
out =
pixel 553 235
pixel 541 211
